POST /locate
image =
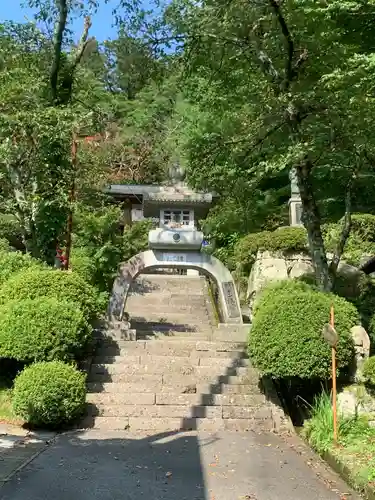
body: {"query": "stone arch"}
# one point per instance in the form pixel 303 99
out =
pixel 153 259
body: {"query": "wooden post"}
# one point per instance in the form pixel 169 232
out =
pixel 334 389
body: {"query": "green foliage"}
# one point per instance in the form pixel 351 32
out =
pixel 286 335
pixel 49 394
pixel 356 439
pixel 42 329
pixel 359 289
pixel 363 226
pixel 286 239
pixel 14 262
pixel 82 263
pixel 97 246
pixel 10 230
pixel 361 241
pixel 4 245
pixel 63 285
pixel 135 238
pixel 318 430
pixel 369 370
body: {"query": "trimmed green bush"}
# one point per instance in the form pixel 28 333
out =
pixel 285 239
pixel 49 394
pixel 42 329
pixel 63 285
pixel 10 229
pixel 286 335
pixel 13 262
pixel 369 370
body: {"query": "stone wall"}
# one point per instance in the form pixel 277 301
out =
pixel 356 399
pixel 275 266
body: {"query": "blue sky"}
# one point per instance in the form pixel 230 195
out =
pixel 101 23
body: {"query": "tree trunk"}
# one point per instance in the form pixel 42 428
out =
pixel 311 221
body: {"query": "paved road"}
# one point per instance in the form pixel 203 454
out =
pixel 179 466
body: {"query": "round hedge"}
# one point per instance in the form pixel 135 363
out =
pixel 63 285
pixel 286 335
pixel 42 329
pixel 49 394
pixel 14 262
pixel 369 370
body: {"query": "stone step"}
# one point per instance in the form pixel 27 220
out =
pixel 155 411
pixel 103 356
pixel 170 366
pixel 102 400
pixel 188 360
pixel 157 335
pixel 121 398
pixel 223 336
pixel 166 344
pixel 168 324
pixel 178 411
pixel 174 424
pixel 174 378
pixel 172 288
pixel 203 389
pixel 157 310
pixel 170 299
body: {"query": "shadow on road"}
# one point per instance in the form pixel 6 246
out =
pixel 82 465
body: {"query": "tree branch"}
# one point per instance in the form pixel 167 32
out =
pixel 347 223
pixel 83 44
pixel 58 39
pixel 289 43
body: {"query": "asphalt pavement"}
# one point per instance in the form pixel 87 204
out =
pixel 89 465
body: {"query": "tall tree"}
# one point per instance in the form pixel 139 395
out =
pixel 281 85
pixel 37 122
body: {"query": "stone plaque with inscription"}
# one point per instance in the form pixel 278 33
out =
pixel 231 299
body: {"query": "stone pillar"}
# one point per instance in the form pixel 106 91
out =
pixel 127 213
pixel 295 203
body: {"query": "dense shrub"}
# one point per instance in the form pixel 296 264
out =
pixel 363 226
pixel 285 239
pixel 14 262
pixel 10 230
pixel 42 329
pixel 135 238
pixel 4 245
pixel 63 285
pixel 82 263
pixel 286 335
pixel 49 394
pixel 99 245
pixel 369 370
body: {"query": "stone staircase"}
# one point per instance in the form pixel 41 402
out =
pixel 182 372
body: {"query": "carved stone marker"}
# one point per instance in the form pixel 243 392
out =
pixel 230 299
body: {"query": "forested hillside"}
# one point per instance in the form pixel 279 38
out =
pixel 240 93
